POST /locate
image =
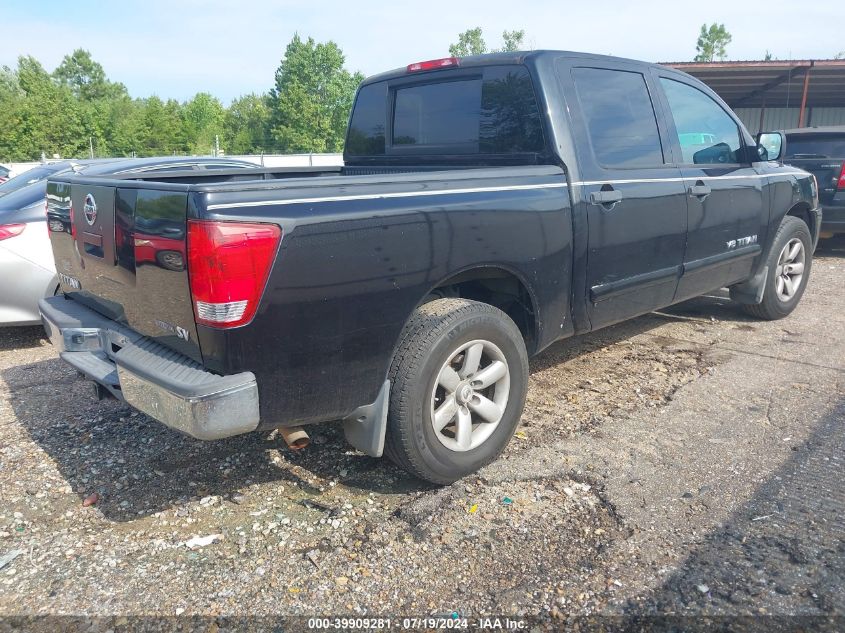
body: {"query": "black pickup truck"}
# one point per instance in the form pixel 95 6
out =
pixel 820 151
pixel 488 207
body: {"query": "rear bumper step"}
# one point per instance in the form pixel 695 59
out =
pixel 154 379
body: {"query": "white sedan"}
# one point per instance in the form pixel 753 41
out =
pixel 27 270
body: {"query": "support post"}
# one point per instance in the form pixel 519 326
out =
pixel 804 99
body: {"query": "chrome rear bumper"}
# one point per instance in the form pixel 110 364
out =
pixel 165 385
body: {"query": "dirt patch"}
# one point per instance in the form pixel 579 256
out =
pixel 245 526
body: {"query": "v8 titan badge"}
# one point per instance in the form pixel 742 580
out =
pixel 90 209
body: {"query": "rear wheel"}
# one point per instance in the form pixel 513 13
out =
pixel 458 384
pixel 789 265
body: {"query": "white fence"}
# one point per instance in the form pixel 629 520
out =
pixel 268 160
pixel 294 160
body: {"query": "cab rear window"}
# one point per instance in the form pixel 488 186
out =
pixel 494 112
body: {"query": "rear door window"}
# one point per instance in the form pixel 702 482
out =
pixel 620 117
pixel 815 146
pixel 493 112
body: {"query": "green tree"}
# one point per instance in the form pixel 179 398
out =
pixel 61 112
pixel 124 128
pixel 712 42
pixel 312 96
pixel 512 41
pixel 162 128
pixel 203 116
pixel 86 78
pixel 246 125
pixel 50 119
pixel 11 104
pixel 9 85
pixel 470 42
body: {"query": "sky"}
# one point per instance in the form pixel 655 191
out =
pixel 176 48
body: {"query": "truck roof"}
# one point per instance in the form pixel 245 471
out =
pixel 515 57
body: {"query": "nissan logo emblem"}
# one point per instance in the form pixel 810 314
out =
pixel 90 209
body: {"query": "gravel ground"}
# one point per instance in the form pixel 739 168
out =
pixel 688 462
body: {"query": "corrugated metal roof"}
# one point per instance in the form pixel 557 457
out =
pixel 754 62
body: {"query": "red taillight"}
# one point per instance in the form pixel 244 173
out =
pixel 431 64
pixel 11 230
pixel 840 183
pixel 228 266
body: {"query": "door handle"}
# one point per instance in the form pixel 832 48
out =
pixel 699 190
pixel 606 198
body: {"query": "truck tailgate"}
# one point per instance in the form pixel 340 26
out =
pixel 826 171
pixel 121 251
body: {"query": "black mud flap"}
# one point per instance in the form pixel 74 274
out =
pixel 751 292
pixel 365 427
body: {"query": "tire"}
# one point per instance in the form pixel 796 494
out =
pixel 170 260
pixel 777 301
pixel 439 343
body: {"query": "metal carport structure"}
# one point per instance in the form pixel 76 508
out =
pixel 777 93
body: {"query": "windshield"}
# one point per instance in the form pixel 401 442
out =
pixel 815 146
pixel 27 178
pixel 24 197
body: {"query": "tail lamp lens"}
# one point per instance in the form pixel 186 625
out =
pixel 228 267
pixel 11 230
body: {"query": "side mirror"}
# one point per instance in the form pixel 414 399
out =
pixel 748 154
pixel 713 155
pixel 772 143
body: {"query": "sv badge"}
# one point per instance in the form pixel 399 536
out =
pixel 179 331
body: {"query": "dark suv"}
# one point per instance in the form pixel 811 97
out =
pixel 820 151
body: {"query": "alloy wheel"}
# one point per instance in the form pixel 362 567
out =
pixel 470 395
pixel 790 269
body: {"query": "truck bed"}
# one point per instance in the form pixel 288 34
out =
pixel 356 254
